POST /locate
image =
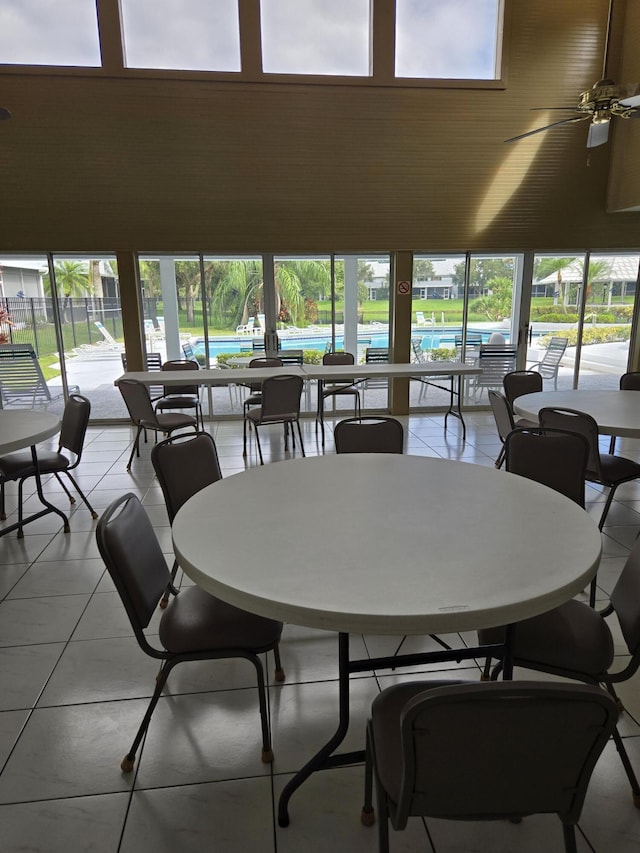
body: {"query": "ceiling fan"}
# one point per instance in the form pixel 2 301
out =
pixel 604 101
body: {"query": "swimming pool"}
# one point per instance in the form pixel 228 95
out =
pixel 429 340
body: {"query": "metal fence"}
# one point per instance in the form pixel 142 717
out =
pixel 31 320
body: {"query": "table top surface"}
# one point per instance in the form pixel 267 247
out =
pixel 616 412
pixel 23 427
pixel 214 376
pixel 387 544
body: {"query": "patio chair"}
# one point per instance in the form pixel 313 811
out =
pixel 246 328
pixel 337 389
pixel 22 383
pixel 19 466
pixel 196 625
pixel 280 405
pixel 487 751
pixel 628 382
pixel 181 396
pixel 369 435
pixel 109 341
pixel 144 417
pixel 184 465
pixel 472 344
pixel 549 365
pixel 376 355
pixel 495 361
pixel 575 641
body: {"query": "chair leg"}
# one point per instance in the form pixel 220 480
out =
pixel 165 598
pixel 244 433
pixel 267 751
pixel 279 671
pixel 129 760
pixel 3 513
pixel 94 514
pixel 607 505
pixel 135 450
pixel 501 457
pixel 72 500
pixel 626 763
pixel 255 426
pixel 299 436
pixel 569 833
pixel 612 445
pixel 368 815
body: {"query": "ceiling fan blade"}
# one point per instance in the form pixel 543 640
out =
pixel 598 134
pixel 534 109
pixel 5 115
pixel 547 127
pixel 630 102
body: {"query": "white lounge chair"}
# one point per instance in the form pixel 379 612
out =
pixel 246 328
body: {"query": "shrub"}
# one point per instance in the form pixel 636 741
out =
pixel 443 354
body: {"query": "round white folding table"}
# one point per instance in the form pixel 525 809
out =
pixel 22 428
pixel 385 544
pixel 616 412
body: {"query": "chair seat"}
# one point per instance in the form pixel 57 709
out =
pixel 196 621
pixel 20 464
pixel 257 417
pixel 169 421
pixel 616 468
pixel 573 637
pixel 178 401
pixel 523 423
pixel 385 719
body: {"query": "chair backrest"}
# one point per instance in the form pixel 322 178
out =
pixel 473 341
pixel 281 397
pixel 376 355
pixel 262 361
pixel 418 353
pixel 571 420
pixel 529 747
pixel 495 360
pixel 105 334
pixel 520 382
pixel 184 465
pixel 548 367
pixel 131 552
pixel 21 379
pixel 552 457
pixel 369 435
pixel 291 356
pixel 338 358
pixel 181 364
pixel 188 351
pixel 73 428
pixel 137 400
pixel 630 381
pixel 497 338
pixel 501 413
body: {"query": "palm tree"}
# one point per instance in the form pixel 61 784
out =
pixel 71 278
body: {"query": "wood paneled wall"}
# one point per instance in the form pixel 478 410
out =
pixel 90 163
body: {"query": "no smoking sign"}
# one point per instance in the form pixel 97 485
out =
pixel 404 287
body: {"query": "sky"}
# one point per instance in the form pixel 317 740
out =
pixel 440 38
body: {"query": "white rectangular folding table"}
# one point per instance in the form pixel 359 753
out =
pixel 429 372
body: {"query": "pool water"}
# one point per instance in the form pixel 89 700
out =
pixel 430 340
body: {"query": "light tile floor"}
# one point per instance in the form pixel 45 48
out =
pixel 74 685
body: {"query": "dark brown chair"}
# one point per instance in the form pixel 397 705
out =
pixel 280 405
pixel 628 382
pixel 184 465
pixel 181 396
pixel 483 752
pixel 255 388
pixel 143 415
pixel 505 422
pixel 575 641
pixel 369 435
pixel 337 389
pixel 602 468
pixel 195 626
pixel 19 465
pixel 520 382
pixel 552 457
